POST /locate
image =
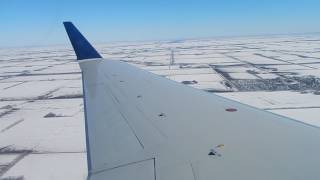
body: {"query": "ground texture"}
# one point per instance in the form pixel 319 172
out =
pixel 41 106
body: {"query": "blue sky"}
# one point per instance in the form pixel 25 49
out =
pixel 39 22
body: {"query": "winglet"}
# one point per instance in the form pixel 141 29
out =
pixel 81 46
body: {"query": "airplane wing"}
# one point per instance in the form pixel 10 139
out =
pixel 145 127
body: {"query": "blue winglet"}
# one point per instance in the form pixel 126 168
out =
pixel 81 46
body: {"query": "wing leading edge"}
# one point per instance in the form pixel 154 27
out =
pixel 142 126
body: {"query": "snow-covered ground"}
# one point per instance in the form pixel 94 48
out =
pixel 41 108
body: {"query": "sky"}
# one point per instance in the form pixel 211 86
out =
pixel 39 22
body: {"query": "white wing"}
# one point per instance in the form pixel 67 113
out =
pixel 142 126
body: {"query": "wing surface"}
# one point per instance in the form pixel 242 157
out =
pixel 145 127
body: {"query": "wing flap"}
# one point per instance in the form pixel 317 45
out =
pixel 136 170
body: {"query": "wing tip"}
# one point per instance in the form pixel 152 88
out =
pixel 81 46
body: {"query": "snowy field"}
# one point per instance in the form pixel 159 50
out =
pixel 41 108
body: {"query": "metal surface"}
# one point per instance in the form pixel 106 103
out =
pixel 124 129
pixel 143 126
